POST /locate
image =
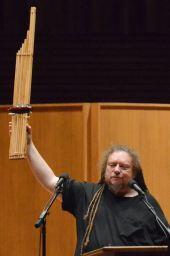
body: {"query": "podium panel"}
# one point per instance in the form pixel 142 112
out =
pixel 130 251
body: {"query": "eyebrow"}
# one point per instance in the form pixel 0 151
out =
pixel 114 162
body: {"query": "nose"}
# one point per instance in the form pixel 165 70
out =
pixel 117 170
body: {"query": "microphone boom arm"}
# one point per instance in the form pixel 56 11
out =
pixel 164 228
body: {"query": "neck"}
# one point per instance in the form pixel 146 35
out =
pixel 124 192
pixel 131 193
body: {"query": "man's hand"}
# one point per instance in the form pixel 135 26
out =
pixel 29 132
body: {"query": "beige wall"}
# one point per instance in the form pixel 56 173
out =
pixel 72 137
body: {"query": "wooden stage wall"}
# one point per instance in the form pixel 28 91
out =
pixel 71 137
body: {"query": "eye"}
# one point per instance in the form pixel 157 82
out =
pixel 124 167
pixel 112 164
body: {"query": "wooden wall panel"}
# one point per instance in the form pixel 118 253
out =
pixel 71 137
pixel 59 132
pixel 146 128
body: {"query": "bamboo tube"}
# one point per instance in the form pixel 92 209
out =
pixel 20 110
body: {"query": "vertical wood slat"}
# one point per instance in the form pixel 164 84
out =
pixel 95 141
pixel 86 113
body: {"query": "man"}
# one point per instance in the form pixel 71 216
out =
pixel 109 212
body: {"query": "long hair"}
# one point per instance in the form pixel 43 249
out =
pixel 136 166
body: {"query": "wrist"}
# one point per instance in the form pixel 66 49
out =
pixel 29 146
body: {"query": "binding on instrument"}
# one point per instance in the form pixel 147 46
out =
pixel 21 109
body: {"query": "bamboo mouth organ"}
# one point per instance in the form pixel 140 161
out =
pixel 21 109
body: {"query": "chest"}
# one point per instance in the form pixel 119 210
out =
pixel 126 213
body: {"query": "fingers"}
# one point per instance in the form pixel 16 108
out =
pixel 29 130
pixel 29 134
pixel 10 128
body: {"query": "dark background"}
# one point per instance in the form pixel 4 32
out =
pixel 90 50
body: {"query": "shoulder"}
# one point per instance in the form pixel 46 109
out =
pixel 152 199
pixel 77 194
pixel 157 208
pixel 73 186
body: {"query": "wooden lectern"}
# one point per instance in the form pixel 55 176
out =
pixel 130 251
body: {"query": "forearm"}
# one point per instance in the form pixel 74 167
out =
pixel 40 168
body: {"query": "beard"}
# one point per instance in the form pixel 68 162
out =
pixel 117 189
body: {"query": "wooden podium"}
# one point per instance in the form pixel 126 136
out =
pixel 130 251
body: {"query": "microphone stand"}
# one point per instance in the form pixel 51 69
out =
pixel 42 218
pixel 163 227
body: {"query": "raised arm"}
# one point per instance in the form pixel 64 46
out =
pixel 42 172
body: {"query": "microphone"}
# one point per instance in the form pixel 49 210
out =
pixel 61 180
pixel 133 184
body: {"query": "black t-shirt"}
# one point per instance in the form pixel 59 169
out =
pixel 119 221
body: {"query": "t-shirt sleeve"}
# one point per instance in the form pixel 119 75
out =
pixel 77 195
pixel 72 193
